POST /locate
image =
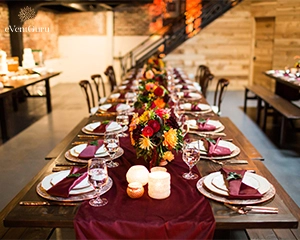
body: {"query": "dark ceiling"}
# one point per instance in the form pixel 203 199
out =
pixel 65 6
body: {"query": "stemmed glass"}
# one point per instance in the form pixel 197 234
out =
pixel 111 143
pixel 191 155
pixel 130 99
pixel 179 112
pixel 123 120
pixel 98 177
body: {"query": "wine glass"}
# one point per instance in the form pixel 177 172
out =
pixel 111 143
pixel 179 112
pixel 123 120
pixel 130 100
pixel 191 155
pixel 98 177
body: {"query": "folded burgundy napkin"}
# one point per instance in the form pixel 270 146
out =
pixel 204 126
pixel 213 149
pixel 236 188
pixel 63 188
pixel 91 149
pixel 195 107
pixel 102 127
pixel 113 108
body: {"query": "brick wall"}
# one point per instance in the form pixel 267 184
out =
pixel 84 23
pixel 4 35
pixel 45 34
pixel 132 20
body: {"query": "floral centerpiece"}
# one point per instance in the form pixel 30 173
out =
pixel 155 135
pixel 151 95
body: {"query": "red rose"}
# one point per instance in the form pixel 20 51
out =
pixel 154 125
pixel 147 131
pixel 158 91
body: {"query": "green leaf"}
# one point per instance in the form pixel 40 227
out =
pixel 233 176
pixel 95 143
pixel 74 175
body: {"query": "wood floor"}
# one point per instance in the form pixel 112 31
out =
pixel 35 134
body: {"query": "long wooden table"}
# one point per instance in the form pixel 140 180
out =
pixel 62 216
pixel 284 87
pixel 16 85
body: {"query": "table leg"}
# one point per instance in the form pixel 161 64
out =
pixel 266 107
pixel 48 95
pixel 258 111
pixel 282 131
pixel 245 100
pixel 3 121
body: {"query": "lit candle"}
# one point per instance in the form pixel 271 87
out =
pixel 156 169
pixel 159 185
pixel 137 173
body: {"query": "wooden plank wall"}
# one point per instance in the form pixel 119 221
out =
pixel 226 45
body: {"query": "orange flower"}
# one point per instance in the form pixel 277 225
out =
pixel 168 156
pixel 134 122
pixel 170 138
pixel 159 102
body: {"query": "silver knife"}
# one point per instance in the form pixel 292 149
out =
pixel 236 161
pixel 44 203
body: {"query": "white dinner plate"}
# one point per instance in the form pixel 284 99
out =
pixel 62 174
pixel 219 126
pixel 120 107
pixel 215 183
pixel 113 126
pixel 202 106
pixel 75 151
pixel 46 183
pixel 114 95
pixel 233 148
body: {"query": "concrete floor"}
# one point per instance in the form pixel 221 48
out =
pixel 23 155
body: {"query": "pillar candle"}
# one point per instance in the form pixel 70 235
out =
pixel 159 185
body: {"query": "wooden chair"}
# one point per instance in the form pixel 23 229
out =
pixel 89 95
pixel 204 77
pixel 110 73
pixel 98 82
pixel 219 94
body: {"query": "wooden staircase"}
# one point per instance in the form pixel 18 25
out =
pixel 176 32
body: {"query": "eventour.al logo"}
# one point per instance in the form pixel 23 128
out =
pixel 26 13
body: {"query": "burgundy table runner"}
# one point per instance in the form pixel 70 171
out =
pixel 185 214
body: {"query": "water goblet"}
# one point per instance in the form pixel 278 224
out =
pixel 123 120
pixel 130 100
pixel 111 144
pixel 98 177
pixel 191 156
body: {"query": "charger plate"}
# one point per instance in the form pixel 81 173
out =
pixel 219 126
pixel 41 191
pixel 72 158
pixel 235 150
pixel 207 193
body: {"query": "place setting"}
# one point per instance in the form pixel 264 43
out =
pixel 100 127
pixel 195 108
pixel 205 125
pixel 75 185
pixel 107 148
pixel 113 109
pixel 236 187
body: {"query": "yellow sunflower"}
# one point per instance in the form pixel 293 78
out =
pixel 170 138
pixel 144 117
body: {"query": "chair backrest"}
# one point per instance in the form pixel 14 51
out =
pixel 204 77
pixel 110 73
pixel 88 92
pixel 98 82
pixel 219 93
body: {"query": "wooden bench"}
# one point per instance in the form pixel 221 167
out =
pixel 286 109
